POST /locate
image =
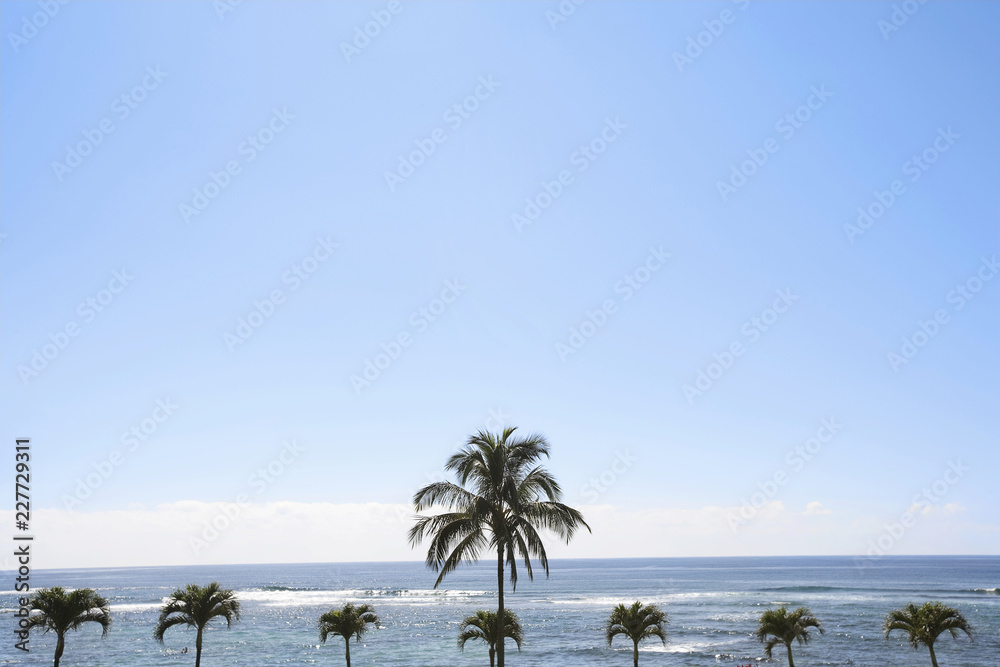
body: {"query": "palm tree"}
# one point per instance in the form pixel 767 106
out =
pixel 783 628
pixel 502 498
pixel 924 624
pixel 61 611
pixel 483 626
pixel 347 622
pixel 637 623
pixel 196 606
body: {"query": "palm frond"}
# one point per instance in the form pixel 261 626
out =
pixel 59 610
pixel 446 494
pixel 483 627
pixel 466 551
pixel 165 624
pixel 349 621
pixel 924 624
pixel 637 622
pixel 558 518
pixel 195 606
pixel 778 626
pixel 500 500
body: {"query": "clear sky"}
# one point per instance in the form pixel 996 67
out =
pixel 561 217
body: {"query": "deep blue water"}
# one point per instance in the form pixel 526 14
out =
pixel 712 603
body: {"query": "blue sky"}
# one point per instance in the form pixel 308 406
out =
pixel 329 127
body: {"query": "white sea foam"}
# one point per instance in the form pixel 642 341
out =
pixel 137 606
pixel 663 598
pixel 293 598
pixel 735 618
pixel 687 647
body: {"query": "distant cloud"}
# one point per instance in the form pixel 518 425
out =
pixel 289 532
pixel 816 507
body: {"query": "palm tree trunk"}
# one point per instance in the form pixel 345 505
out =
pixel 347 643
pixel 933 657
pixel 791 663
pixel 197 649
pixel 60 645
pixel 635 653
pixel 493 653
pixel 500 613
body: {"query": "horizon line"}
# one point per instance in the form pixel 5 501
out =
pixel 551 560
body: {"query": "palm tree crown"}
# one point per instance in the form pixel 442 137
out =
pixel 924 624
pixel 637 622
pixel 779 626
pixel 502 498
pixel 60 611
pixel 350 621
pixel 195 606
pixel 483 626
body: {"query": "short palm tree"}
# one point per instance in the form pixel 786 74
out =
pixel 779 626
pixel 637 622
pixel 483 626
pixel 195 606
pixel 502 498
pixel 924 624
pixel 61 611
pixel 351 621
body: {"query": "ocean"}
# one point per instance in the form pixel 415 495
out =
pixel 712 603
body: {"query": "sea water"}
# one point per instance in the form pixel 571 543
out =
pixel 712 603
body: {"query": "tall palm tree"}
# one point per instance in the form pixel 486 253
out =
pixel 195 606
pixel 61 611
pixel 778 626
pixel 637 623
pixel 503 496
pixel 924 624
pixel 483 626
pixel 351 621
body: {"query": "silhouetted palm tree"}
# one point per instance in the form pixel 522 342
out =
pixel 924 624
pixel 783 628
pixel 61 611
pixel 502 498
pixel 637 623
pixel 351 621
pixel 195 606
pixel 483 626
